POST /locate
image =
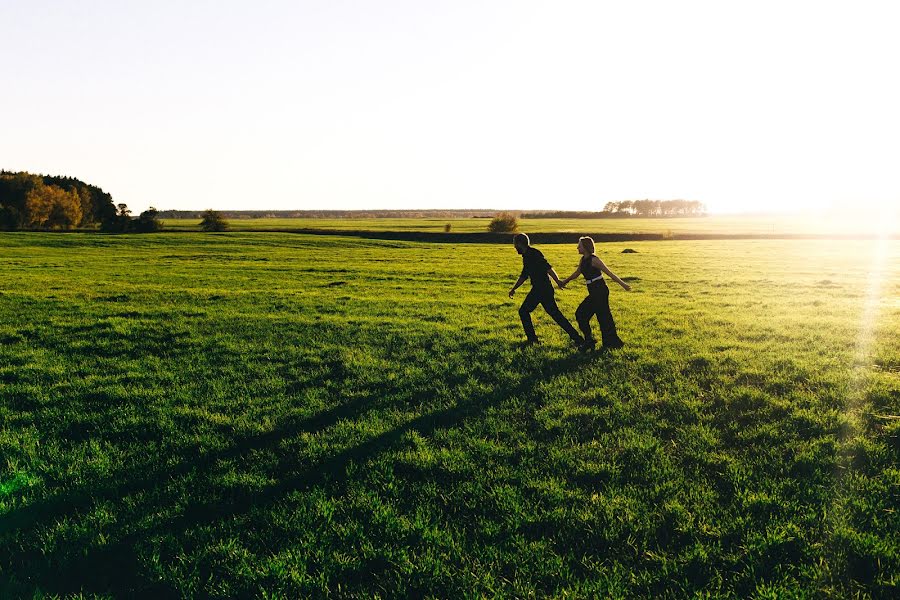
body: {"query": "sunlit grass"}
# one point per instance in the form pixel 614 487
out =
pixel 248 414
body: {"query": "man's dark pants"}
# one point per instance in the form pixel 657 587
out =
pixel 545 298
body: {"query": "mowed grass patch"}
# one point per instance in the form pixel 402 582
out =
pixel 252 414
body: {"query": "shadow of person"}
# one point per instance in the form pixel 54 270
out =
pixel 148 499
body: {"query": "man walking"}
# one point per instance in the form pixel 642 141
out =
pixel 536 267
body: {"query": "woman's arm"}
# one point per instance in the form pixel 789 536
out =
pixel 571 277
pixel 602 266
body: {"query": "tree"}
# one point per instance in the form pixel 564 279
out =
pixel 14 188
pixel 48 206
pixel 213 221
pixel 117 221
pixel 504 222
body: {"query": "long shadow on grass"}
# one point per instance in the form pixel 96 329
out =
pixel 116 566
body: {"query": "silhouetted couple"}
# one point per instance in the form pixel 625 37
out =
pixel 536 268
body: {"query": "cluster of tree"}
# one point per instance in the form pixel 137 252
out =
pixel 29 201
pixel 44 202
pixel 629 208
pixel 656 208
pixel 122 222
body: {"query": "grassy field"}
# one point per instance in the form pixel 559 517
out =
pixel 731 225
pixel 281 416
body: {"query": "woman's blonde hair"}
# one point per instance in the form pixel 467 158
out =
pixel 587 243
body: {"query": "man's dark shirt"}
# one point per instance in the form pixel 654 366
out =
pixel 536 266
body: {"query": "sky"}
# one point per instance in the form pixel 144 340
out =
pixel 560 105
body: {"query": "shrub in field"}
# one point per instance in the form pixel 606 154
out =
pixel 504 223
pixel 213 221
pixel 147 222
pixel 447 228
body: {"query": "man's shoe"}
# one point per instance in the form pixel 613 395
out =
pixel 614 345
pixel 531 342
pixel 587 345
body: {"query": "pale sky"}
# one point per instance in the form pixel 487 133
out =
pixel 270 104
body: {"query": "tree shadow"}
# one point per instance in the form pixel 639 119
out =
pixel 115 566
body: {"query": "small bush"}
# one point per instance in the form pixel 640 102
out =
pixel 147 222
pixel 447 228
pixel 504 223
pixel 213 221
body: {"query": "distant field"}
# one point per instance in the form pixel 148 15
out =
pixel 288 416
pixel 714 224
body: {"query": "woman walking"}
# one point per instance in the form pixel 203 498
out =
pixel 597 301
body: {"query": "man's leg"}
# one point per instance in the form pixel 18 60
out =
pixel 529 304
pixel 549 303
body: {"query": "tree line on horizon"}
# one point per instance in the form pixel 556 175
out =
pixel 334 214
pixel 625 208
pixel 50 202
pixel 629 208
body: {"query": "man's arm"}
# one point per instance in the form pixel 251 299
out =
pixel 602 266
pixel 552 273
pixel 520 281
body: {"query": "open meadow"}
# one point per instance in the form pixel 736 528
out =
pixel 280 415
pixel 712 225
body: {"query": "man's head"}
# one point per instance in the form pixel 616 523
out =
pixel 521 242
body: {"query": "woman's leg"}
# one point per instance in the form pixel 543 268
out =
pixel 583 315
pixel 607 325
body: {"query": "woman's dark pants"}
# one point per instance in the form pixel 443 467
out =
pixel 546 299
pixel 597 303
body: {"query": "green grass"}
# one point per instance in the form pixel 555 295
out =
pixel 731 225
pixel 276 415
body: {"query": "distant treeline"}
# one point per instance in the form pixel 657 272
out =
pixel 629 208
pixel 29 201
pixel 626 208
pixel 333 214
